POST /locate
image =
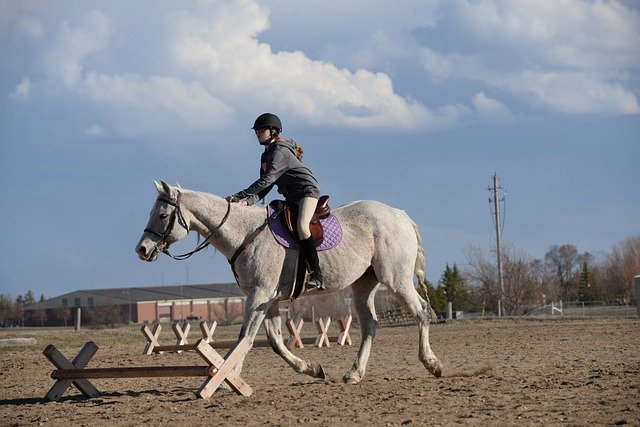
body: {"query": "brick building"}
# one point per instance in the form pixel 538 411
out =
pixel 223 302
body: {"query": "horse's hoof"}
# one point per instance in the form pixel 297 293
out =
pixel 351 378
pixel 435 369
pixel 319 372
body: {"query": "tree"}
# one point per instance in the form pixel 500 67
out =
pixel 437 297
pixel 62 313
pixel 564 262
pixel 521 277
pixel 619 269
pixel 588 290
pixel 6 310
pixel 18 310
pixel 29 298
pixel 455 288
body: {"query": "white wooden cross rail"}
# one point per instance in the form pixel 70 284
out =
pixel 344 324
pixel 219 369
pixel 152 338
pixel 323 328
pixel 322 339
pixel 208 328
pixel 181 333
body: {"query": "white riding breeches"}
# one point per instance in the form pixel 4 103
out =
pixel 306 209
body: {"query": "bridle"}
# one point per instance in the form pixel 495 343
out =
pixel 177 214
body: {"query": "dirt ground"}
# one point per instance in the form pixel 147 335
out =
pixel 506 372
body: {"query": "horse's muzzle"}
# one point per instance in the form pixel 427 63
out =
pixel 146 255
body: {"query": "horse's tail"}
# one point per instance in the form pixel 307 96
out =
pixel 419 272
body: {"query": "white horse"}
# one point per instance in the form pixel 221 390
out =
pixel 380 245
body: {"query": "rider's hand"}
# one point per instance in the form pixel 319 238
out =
pixel 230 199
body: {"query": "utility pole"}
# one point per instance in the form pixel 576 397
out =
pixel 497 198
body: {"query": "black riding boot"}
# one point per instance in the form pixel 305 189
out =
pixel 308 247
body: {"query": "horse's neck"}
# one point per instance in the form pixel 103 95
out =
pixel 206 212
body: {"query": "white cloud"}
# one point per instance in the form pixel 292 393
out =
pixel 226 54
pixel 22 89
pixel 492 111
pixel 30 27
pixel 200 65
pixel 158 95
pixel 95 130
pixel 89 35
pixel 574 93
pixel 569 56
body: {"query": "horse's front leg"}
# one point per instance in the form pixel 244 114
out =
pixel 273 328
pixel 257 305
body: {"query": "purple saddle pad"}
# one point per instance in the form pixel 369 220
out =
pixel 331 226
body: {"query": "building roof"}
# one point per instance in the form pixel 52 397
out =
pixel 139 294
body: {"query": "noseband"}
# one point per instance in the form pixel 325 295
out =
pixel 177 214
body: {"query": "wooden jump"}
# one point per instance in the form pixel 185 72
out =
pixel 217 370
pixel 207 328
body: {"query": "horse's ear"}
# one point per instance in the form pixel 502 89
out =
pixel 163 187
pixel 166 188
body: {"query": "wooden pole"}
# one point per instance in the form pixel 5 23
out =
pixel 78 318
pixel 134 372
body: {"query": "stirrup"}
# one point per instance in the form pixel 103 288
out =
pixel 314 282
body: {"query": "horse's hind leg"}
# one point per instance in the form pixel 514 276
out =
pixel 420 311
pixel 363 297
pixel 272 325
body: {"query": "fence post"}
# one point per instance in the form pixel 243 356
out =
pixel 449 310
pixel 637 280
pixel 78 319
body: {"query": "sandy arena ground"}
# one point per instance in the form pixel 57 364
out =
pixel 506 372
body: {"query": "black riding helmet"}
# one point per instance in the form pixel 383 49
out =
pixel 268 120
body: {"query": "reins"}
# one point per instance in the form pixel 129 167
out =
pixel 247 241
pixel 177 213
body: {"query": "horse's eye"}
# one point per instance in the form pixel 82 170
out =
pixel 163 215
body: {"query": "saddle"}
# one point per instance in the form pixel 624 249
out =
pixel 323 210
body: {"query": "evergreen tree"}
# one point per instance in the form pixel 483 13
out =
pixel 588 290
pixel 454 288
pixel 437 297
pixel 29 298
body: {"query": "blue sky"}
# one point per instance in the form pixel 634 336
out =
pixel 413 103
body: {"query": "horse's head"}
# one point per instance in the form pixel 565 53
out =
pixel 166 224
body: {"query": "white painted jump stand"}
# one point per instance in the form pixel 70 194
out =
pixel 207 329
pixel 181 333
pixel 322 339
pixel 323 328
pixel 344 324
pixel 294 340
pixel 555 309
pixel 217 371
pixel 152 338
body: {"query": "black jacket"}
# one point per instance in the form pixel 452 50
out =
pixel 280 167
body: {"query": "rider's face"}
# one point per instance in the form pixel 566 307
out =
pixel 263 135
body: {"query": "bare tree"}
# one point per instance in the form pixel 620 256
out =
pixel 63 313
pixel 620 267
pixel 521 276
pixel 563 263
